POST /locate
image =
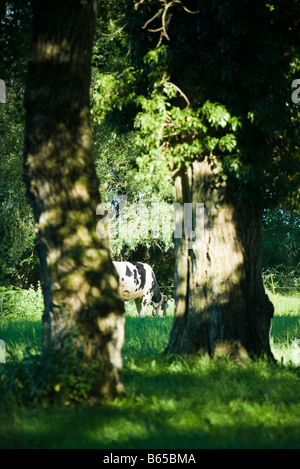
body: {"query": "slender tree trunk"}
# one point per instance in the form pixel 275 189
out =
pixel 221 304
pixel 79 283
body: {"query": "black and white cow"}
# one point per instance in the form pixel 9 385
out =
pixel 138 283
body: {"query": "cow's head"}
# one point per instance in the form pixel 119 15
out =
pixel 161 307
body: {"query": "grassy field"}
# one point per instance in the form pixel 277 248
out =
pixel 171 403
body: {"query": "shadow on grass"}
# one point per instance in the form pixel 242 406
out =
pixel 172 402
pixel 175 405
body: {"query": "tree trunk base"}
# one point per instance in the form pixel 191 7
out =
pixel 221 305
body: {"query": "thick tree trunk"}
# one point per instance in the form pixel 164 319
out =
pixel 79 282
pixel 221 304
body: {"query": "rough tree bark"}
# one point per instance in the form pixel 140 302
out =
pixel 221 305
pixel 79 282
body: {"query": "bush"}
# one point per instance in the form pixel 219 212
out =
pixel 18 259
pixel 281 238
pixel 53 376
pixel 18 303
pixel 285 280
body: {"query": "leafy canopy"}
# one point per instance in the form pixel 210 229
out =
pixel 214 78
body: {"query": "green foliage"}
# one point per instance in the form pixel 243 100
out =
pixel 48 377
pixel 18 261
pixel 36 375
pixel 15 39
pixel 282 279
pixel 281 239
pixel 215 79
pixel 117 155
pixel 19 303
pixel 170 136
pixel 158 108
pixel 155 108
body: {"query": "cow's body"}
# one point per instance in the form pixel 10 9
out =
pixel 137 282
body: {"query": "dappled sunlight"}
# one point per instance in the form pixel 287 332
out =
pixel 171 402
pixel 235 407
pixel 49 50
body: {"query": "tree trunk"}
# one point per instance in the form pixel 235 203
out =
pixel 80 285
pixel 221 304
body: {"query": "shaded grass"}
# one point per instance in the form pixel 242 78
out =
pixel 172 402
pixel 175 405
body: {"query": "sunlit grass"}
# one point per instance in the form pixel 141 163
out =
pixel 21 335
pixel 172 402
pixel 285 328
